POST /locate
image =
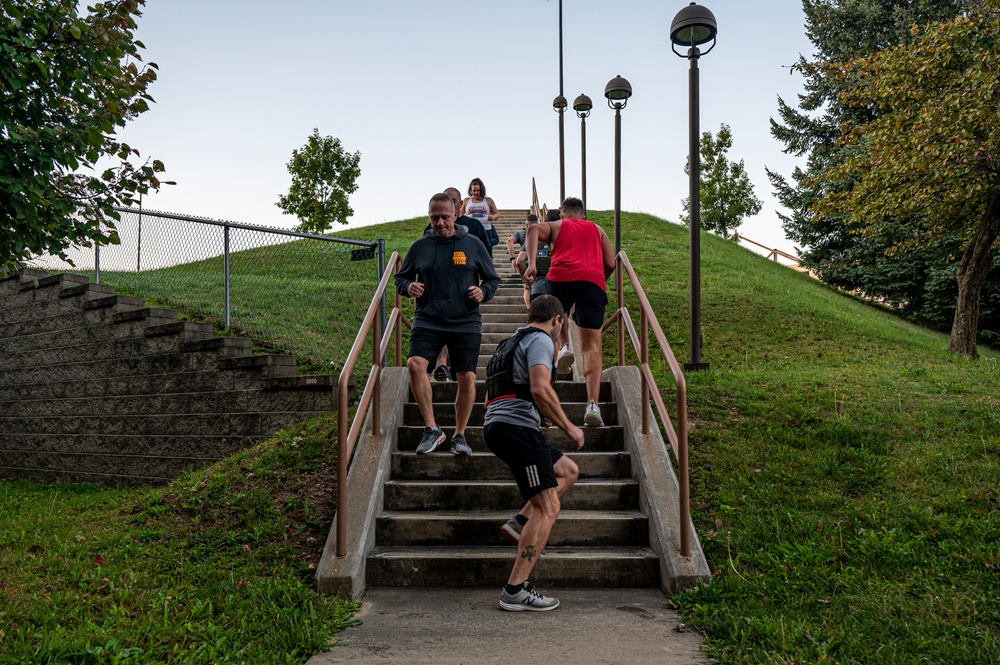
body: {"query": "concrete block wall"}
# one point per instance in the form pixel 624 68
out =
pixel 95 387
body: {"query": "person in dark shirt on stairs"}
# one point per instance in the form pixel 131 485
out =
pixel 449 274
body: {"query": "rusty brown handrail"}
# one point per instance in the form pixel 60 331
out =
pixel 535 209
pixel 640 342
pixel 773 254
pixel 372 394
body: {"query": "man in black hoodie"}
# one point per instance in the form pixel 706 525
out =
pixel 449 273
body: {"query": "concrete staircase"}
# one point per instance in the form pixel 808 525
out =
pixel 439 525
pixel 435 520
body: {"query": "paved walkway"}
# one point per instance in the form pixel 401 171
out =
pixel 466 626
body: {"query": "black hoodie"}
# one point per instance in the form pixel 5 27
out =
pixel 447 267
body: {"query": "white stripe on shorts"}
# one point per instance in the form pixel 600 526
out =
pixel 532 472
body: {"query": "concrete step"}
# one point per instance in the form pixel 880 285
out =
pixel 444 413
pixel 490 566
pixel 595 439
pixel 517 308
pixel 486 466
pixel 568 391
pixel 595 494
pixel 482 528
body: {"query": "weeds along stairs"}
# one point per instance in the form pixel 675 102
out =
pixel 435 519
pixel 97 387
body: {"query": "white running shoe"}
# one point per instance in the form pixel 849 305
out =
pixel 527 600
pixel 564 360
pixel 592 416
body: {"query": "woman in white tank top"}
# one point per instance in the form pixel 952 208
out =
pixel 481 207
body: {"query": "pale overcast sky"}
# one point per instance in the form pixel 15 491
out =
pixel 435 93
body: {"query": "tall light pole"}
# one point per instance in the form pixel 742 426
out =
pixel 582 106
pixel 138 244
pixel 559 104
pixel 562 151
pixel 617 92
pixel 694 25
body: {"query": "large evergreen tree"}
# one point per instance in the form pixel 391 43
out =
pixel 923 283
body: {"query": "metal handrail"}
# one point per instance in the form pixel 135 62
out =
pixel 372 395
pixel 640 342
pixel 773 254
pixel 535 209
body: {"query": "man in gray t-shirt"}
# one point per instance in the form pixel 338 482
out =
pixel 512 431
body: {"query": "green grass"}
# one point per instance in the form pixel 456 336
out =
pixel 845 479
pixel 216 568
pixel 844 486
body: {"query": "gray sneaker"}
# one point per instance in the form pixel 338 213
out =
pixel 432 438
pixel 512 530
pixel 459 445
pixel 527 600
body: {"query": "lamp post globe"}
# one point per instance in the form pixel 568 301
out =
pixel 693 26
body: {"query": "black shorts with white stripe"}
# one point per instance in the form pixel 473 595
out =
pixel 527 453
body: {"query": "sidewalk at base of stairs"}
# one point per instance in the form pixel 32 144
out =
pixel 467 627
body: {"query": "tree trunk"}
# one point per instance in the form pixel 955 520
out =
pixel 973 267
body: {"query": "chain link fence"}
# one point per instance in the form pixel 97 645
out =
pixel 297 292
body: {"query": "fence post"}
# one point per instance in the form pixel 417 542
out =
pixel 226 268
pixel 97 263
pixel 382 318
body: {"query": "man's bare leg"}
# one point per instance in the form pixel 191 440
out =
pixel 464 399
pixel 590 340
pixel 441 368
pixel 535 534
pixel 420 386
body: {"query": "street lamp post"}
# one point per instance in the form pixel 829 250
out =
pixel 559 104
pixel 562 153
pixel 138 244
pixel 617 93
pixel 582 106
pixel 692 26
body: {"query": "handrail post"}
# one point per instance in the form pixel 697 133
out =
pixel 399 323
pixel 381 271
pixel 619 290
pixel 644 361
pixel 377 367
pixel 341 474
pixel 682 472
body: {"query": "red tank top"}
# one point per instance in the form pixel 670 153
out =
pixel 577 255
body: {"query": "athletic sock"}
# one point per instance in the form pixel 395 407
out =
pixel 513 588
pixel 521 519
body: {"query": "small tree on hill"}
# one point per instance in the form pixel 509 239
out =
pixel 324 175
pixel 727 195
pixel 68 81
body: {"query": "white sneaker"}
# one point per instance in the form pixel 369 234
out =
pixel 592 416
pixel 565 359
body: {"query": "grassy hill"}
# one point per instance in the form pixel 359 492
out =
pixel 844 486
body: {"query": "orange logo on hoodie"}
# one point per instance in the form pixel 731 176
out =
pixel 458 258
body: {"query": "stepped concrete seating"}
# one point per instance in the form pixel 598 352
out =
pixel 434 520
pixel 96 387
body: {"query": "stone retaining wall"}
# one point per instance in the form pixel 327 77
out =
pixel 95 387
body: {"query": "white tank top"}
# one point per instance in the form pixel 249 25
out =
pixel 480 211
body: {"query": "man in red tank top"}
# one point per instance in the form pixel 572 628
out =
pixel 582 259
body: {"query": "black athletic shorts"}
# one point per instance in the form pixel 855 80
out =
pixel 527 453
pixel 589 298
pixel 463 347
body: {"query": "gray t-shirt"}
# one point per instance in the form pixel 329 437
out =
pixel 535 349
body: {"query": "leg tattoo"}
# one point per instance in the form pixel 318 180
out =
pixel 528 553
